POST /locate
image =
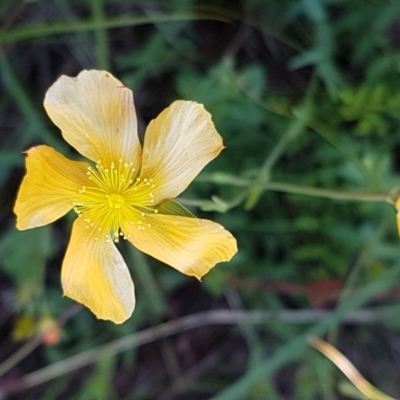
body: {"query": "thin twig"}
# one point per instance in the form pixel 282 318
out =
pixel 26 349
pixel 35 342
pixel 216 317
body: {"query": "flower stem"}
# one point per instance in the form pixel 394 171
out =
pixel 333 194
pixel 20 354
pixel 327 193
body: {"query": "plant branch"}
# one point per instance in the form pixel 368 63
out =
pixel 216 317
pixel 333 194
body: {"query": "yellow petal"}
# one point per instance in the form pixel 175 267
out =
pixel 96 115
pixel 192 246
pixel 177 146
pixel 49 187
pixel 94 274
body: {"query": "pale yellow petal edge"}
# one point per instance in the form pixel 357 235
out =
pixel 95 274
pixel 192 246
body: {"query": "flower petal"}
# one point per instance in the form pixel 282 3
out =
pixel 49 187
pixel 192 246
pixel 94 274
pixel 96 115
pixel 177 146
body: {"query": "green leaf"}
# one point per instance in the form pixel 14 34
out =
pixel 172 207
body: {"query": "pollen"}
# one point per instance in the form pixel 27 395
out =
pixel 116 199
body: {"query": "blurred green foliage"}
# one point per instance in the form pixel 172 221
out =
pixel 305 94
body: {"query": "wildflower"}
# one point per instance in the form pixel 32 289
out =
pixel 125 193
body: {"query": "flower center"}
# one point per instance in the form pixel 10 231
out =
pixel 116 199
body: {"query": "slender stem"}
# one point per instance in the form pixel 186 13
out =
pixel 348 369
pixel 17 92
pixel 327 193
pixel 311 122
pixel 215 204
pixel 34 342
pixel 299 121
pixel 333 194
pixel 295 348
pixel 20 354
pixel 291 133
pixel 156 302
pixel 353 278
pixel 100 33
pixel 32 31
pixel 215 317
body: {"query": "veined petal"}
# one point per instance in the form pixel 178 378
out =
pixel 96 115
pixel 177 146
pixel 192 246
pixel 49 187
pixel 94 274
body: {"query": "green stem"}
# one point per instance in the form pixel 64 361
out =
pixel 333 194
pixel 299 121
pixel 327 193
pixel 32 31
pixel 293 350
pixel 319 127
pixel 100 33
pixel 156 302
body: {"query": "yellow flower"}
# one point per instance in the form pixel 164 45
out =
pixel 126 193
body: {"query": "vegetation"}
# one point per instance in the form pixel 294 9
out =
pixel 306 95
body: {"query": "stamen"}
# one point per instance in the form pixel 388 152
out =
pixel 116 197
